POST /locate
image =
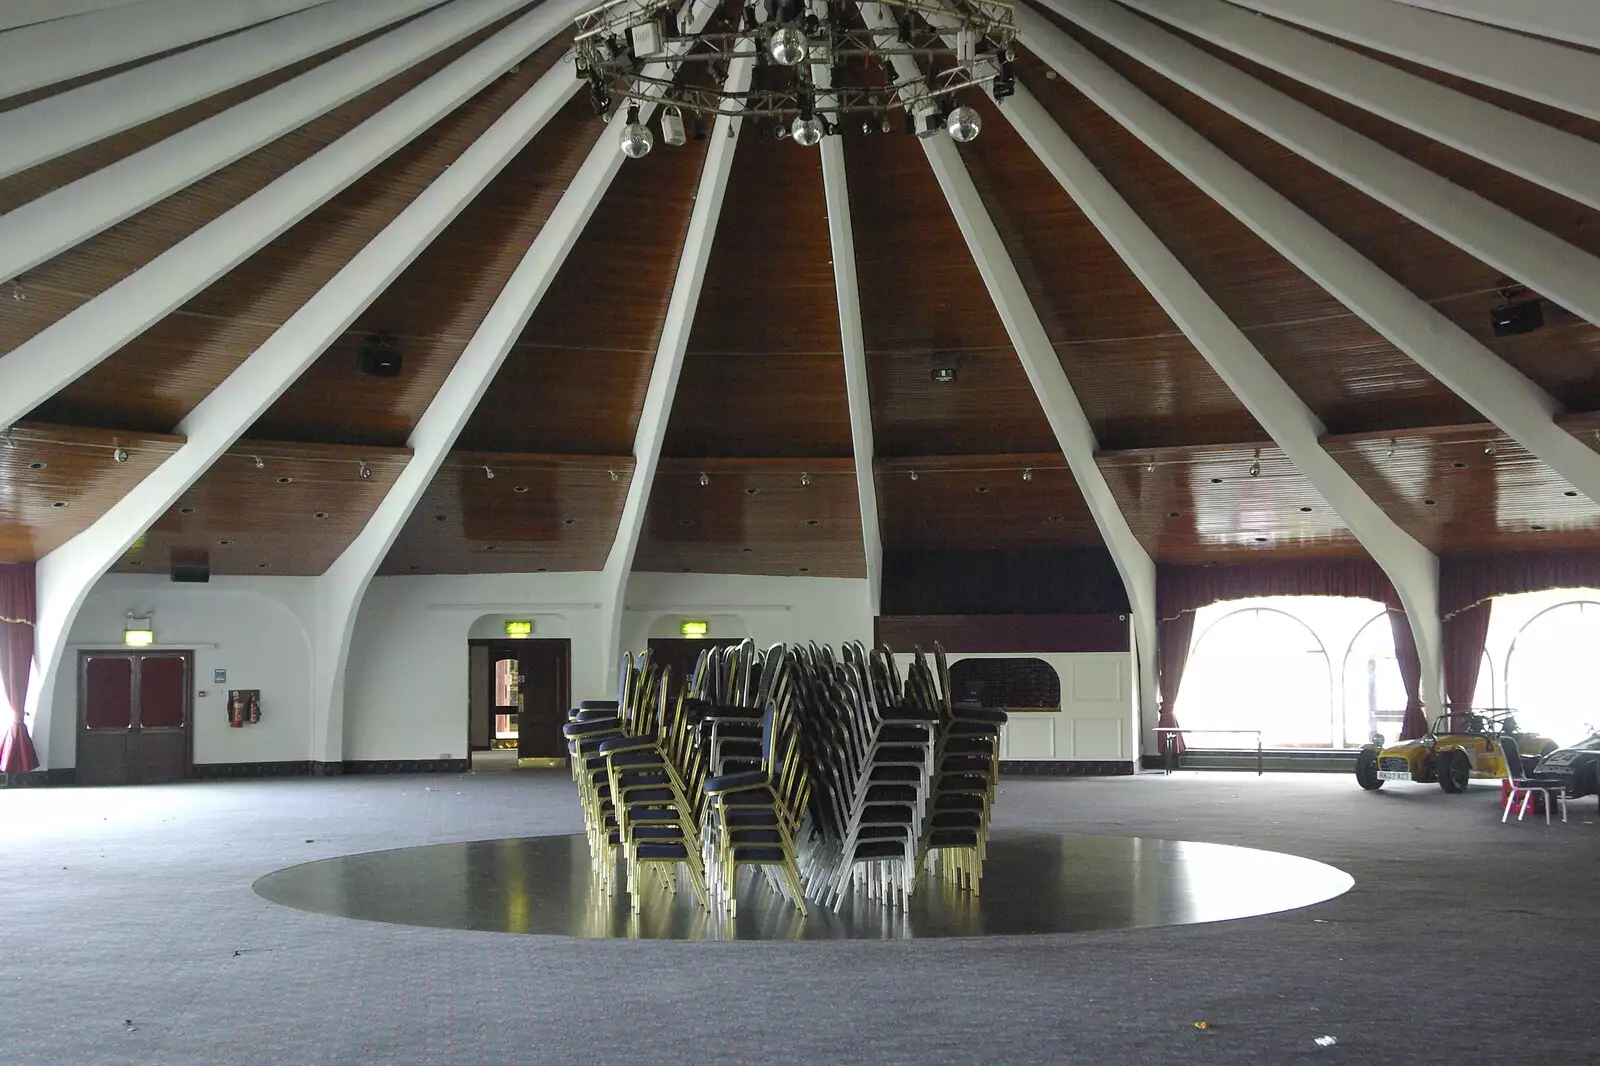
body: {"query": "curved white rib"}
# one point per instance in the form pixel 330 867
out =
pixel 63 217
pixel 1568 20
pixel 1544 155
pixel 14 13
pixel 49 52
pixel 69 347
pixel 1538 70
pixel 67 120
pixel 1512 245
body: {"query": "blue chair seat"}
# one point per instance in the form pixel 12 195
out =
pixel 748 779
pixel 661 851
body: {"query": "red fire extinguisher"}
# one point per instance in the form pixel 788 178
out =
pixel 236 710
pixel 255 707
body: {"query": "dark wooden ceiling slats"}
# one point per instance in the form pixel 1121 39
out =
pixel 1139 379
pixel 1288 316
pixel 158 377
pixel 55 481
pixel 923 301
pixel 982 503
pixel 538 512
pixel 61 285
pixel 1203 505
pixel 756 516
pixel 241 516
pixel 1442 487
pixel 575 380
pixel 764 370
pixel 437 304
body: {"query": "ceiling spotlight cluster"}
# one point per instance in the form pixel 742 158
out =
pixel 817 69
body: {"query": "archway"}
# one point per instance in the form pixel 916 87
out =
pixel 1552 673
pixel 1374 695
pixel 1259 668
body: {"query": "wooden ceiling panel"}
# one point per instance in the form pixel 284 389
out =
pixel 982 502
pixel 574 383
pixel 158 377
pixel 923 300
pixel 1199 505
pixel 764 370
pixel 1469 489
pixel 436 305
pixel 1294 322
pixel 44 177
pixel 61 285
pixel 755 516
pixel 538 512
pixel 290 514
pixel 55 481
pixel 1139 379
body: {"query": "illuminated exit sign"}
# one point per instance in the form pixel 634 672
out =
pixel 694 628
pixel 519 628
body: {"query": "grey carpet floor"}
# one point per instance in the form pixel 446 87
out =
pixel 132 936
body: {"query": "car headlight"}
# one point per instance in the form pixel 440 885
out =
pixel 1430 741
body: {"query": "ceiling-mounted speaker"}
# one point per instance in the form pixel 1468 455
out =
pixel 190 566
pixel 1512 319
pixel 380 356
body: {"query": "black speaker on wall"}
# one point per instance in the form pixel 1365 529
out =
pixel 190 566
pixel 1517 318
pixel 380 356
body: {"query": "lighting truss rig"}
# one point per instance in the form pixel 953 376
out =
pixel 817 69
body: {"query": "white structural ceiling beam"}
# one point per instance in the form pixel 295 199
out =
pixel 1542 154
pixel 70 346
pixel 1043 367
pixel 14 13
pixel 63 217
pixel 1412 569
pixel 340 590
pixel 68 573
pixel 1449 353
pixel 1538 70
pixel 668 365
pixel 852 340
pixel 1511 244
pixel 1577 21
pixel 44 53
pixel 68 120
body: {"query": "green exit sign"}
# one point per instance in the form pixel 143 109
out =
pixel 693 627
pixel 519 628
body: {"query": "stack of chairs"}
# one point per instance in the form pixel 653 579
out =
pixel 966 776
pixel 640 778
pixel 875 750
pixel 829 773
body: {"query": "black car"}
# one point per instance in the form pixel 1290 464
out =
pixel 1577 767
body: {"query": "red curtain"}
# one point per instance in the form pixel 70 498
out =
pixel 1415 722
pixel 1172 655
pixel 1188 588
pixel 1464 636
pixel 18 610
pixel 1466 580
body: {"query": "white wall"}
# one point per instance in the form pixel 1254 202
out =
pixel 769 610
pixel 1098 720
pixel 406 686
pixel 254 628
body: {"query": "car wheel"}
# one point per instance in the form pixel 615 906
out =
pixel 1454 771
pixel 1367 770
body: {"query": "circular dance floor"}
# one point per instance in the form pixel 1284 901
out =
pixel 1033 883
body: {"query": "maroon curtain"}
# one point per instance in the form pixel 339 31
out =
pixel 1405 654
pixel 1172 655
pixel 1464 635
pixel 1466 580
pixel 18 609
pixel 1189 588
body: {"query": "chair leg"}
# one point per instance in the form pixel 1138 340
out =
pixel 1511 797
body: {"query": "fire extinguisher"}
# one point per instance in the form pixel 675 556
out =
pixel 236 710
pixel 255 707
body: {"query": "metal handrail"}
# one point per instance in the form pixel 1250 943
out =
pixel 1173 759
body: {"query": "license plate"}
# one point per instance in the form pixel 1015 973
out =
pixel 1393 775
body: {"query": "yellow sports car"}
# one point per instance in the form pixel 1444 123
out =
pixel 1461 746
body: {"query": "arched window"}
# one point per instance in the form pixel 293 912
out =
pixel 1259 668
pixel 1374 694
pixel 1553 674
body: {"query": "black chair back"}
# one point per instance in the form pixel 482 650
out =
pixel 1512 753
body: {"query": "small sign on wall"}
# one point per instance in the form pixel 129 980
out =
pixel 219 677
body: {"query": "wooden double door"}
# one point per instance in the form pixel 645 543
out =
pixel 134 713
pixel 529 693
